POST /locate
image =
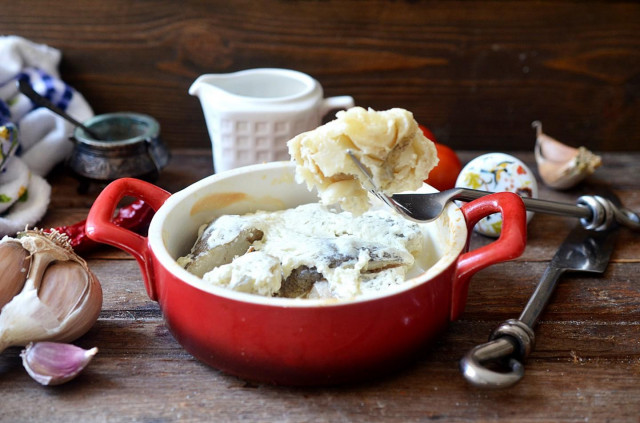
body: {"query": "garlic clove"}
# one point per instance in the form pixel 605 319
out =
pixel 53 363
pixel 561 166
pixel 60 300
pixel 14 262
pixel 63 285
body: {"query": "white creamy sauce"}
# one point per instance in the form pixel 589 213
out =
pixel 348 255
pixel 257 273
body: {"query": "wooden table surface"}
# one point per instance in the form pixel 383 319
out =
pixel 585 366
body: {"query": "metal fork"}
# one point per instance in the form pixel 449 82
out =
pixel 594 212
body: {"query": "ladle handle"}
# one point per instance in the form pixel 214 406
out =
pixel 508 346
pixel 25 88
pixel 595 212
pixel 532 204
pixel 511 342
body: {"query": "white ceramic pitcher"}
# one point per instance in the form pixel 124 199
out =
pixel 251 114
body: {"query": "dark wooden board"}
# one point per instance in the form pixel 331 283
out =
pixel 476 72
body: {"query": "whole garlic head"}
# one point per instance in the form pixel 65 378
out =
pixel 54 296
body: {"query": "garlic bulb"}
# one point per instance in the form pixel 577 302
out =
pixel 14 262
pixel 59 299
pixel 561 166
pixel 53 363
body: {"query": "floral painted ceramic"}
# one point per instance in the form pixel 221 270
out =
pixel 14 174
pixel 498 172
pixel 8 143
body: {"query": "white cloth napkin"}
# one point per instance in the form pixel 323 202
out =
pixel 32 139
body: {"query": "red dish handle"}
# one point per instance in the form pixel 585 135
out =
pixel 100 228
pixel 509 245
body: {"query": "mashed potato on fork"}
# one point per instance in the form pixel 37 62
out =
pixel 389 143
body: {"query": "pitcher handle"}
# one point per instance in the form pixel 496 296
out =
pixel 100 228
pixel 509 245
pixel 332 103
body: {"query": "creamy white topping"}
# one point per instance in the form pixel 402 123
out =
pixel 255 272
pixel 342 255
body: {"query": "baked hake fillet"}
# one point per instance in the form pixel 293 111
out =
pixel 389 143
pixel 306 252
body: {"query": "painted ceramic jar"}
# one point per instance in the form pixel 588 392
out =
pixel 498 172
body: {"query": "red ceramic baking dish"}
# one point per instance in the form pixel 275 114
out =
pixel 298 341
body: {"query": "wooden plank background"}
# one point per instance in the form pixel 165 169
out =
pixel 476 72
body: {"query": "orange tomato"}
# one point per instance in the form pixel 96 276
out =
pixel 444 175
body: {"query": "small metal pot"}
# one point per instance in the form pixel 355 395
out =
pixel 130 146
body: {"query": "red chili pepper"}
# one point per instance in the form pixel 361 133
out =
pixel 134 217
